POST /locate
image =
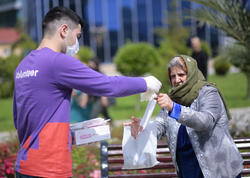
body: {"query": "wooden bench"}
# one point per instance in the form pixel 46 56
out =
pixel 112 161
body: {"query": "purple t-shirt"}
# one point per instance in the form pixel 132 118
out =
pixel 41 107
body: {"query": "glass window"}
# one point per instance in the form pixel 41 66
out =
pixel 112 26
pixel 127 19
pixel 142 20
pixel 156 10
pixel 185 8
pixel 98 12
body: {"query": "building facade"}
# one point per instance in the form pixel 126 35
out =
pixel 111 23
pixel 10 12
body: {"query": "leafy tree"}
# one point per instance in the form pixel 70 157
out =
pixel 233 18
pixel 8 65
pixel 25 44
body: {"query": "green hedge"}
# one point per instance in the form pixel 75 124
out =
pixel 7 69
pixel 221 65
pixel 85 54
pixel 136 59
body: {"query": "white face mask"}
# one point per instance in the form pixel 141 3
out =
pixel 72 50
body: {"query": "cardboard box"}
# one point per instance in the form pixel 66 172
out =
pixel 88 132
pixel 88 123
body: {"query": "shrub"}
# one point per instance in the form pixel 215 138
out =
pixel 221 65
pixel 6 89
pixel 135 59
pixel 25 43
pixel 7 68
pixel 85 54
pixel 8 65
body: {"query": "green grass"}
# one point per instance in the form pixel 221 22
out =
pixel 6 119
pixel 233 87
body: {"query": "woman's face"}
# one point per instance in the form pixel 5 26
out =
pixel 177 76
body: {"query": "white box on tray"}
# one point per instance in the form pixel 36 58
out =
pixel 88 123
pixel 90 131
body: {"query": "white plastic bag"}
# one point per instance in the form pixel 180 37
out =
pixel 148 113
pixel 140 152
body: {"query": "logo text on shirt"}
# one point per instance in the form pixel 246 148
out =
pixel 28 73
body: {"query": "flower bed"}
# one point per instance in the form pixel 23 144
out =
pixel 85 160
pixel 8 152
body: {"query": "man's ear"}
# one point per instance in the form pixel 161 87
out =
pixel 63 30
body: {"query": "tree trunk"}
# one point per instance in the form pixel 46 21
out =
pixel 248 85
pixel 138 103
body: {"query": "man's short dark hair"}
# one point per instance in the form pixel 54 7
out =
pixel 58 15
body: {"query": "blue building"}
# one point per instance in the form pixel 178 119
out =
pixel 111 23
pixel 10 12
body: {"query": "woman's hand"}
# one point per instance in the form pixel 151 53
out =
pixel 164 101
pixel 135 126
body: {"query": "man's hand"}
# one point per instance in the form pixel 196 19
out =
pixel 135 126
pixel 164 101
pixel 153 86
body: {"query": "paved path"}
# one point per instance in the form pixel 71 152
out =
pixel 7 135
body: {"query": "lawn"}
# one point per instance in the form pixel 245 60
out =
pixel 233 87
pixel 6 121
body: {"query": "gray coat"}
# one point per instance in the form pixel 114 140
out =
pixel 207 126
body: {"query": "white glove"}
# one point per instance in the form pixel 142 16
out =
pixel 153 87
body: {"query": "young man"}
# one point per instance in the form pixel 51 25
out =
pixel 43 85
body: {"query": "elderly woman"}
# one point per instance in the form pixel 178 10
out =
pixel 194 117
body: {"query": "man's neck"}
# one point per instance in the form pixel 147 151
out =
pixel 49 43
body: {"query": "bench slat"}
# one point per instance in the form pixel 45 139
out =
pixel 241 140
pixel 160 159
pixel 246 162
pixel 245 172
pixel 119 146
pixel 242 146
pixel 151 175
pixel 245 155
pixel 158 166
pixel 119 152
